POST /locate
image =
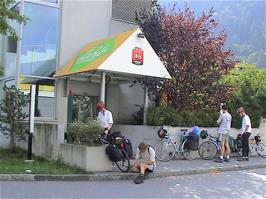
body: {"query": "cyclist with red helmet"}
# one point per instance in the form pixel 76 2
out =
pixel 105 117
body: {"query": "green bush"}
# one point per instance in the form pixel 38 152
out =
pixel 166 115
pixel 84 132
pixel 251 93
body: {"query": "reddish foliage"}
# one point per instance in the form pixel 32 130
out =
pixel 193 54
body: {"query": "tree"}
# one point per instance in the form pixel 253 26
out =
pixel 193 54
pixel 251 92
pixel 7 14
pixel 12 116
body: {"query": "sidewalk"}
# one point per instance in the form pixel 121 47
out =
pixel 163 169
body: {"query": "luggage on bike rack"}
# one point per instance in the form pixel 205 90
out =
pixel 128 147
pixel 117 138
pixel 114 137
pixel 114 153
pixel 232 143
pixel 192 142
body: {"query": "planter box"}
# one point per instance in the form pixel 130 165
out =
pixel 89 158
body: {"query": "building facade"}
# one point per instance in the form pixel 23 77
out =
pixel 55 31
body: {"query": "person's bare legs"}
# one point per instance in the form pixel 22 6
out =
pixel 222 148
pixel 143 168
pixel 227 150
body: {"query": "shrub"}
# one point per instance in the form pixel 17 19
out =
pixel 167 115
pixel 84 132
pixel 12 115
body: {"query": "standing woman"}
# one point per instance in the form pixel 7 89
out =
pixel 245 132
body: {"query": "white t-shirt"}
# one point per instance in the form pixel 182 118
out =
pixel 225 122
pixel 147 155
pixel 245 122
pixel 105 118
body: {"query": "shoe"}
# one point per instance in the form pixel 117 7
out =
pixel 139 179
pixel 146 175
pixel 241 159
pixel 246 158
pixel 226 160
pixel 219 160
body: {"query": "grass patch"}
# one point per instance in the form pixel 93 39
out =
pixel 13 163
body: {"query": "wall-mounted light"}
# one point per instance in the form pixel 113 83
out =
pixel 141 35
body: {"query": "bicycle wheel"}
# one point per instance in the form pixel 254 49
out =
pixel 165 150
pixel 208 150
pixel 124 164
pixel 187 153
pixel 261 149
pixel 239 148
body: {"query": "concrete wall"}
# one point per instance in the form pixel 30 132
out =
pixel 48 135
pixel 82 22
pixel 89 158
pixel 149 135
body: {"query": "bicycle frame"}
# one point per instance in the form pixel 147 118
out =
pixel 183 138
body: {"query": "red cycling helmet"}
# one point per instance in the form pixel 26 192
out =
pixel 100 106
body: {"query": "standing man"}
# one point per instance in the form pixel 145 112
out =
pixel 105 117
pixel 224 122
pixel 245 132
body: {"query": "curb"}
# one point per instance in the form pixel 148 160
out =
pixel 122 176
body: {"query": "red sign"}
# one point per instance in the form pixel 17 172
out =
pixel 137 56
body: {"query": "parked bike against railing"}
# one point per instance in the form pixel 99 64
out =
pixel 166 149
pixel 122 159
pixel 255 146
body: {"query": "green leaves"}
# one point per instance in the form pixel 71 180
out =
pixel 84 132
pixel 7 14
pixel 251 91
pixel 194 55
pixel 12 114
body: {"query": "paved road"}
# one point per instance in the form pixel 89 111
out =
pixel 236 184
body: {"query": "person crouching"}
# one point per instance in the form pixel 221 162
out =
pixel 144 161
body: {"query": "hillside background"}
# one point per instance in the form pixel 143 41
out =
pixel 244 22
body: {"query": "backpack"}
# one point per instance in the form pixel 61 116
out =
pixel 114 153
pixel 128 147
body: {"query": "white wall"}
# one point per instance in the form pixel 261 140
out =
pixel 82 22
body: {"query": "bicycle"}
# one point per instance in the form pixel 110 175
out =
pixel 210 148
pixel 166 149
pixel 124 164
pixel 255 146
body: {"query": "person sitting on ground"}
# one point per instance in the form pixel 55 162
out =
pixel 144 161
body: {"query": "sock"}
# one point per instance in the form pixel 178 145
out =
pixel 227 157
pixel 221 157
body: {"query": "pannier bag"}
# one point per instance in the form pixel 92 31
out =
pixel 112 138
pixel 232 143
pixel 128 147
pixel 192 142
pixel 114 153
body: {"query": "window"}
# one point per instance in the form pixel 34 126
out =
pixel 39 40
pixel 10 57
pixel 84 107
